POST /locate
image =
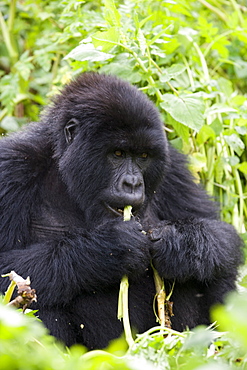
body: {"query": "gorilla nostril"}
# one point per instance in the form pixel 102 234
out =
pixel 131 184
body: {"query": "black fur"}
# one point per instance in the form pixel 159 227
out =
pixel 57 179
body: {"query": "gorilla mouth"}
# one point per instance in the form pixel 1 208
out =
pixel 117 211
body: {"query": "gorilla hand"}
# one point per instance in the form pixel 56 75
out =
pixel 128 246
pixel 177 252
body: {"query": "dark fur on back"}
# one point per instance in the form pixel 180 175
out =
pixel 56 228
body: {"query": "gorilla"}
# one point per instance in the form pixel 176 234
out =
pixel 64 183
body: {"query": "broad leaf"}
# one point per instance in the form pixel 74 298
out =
pixel 205 133
pixel 111 14
pixel 181 130
pixel 235 143
pixel 185 109
pixel 88 52
pixel 243 167
pixel 219 108
pixel 106 40
pixel 172 72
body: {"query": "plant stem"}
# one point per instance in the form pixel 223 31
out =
pixel 123 303
pixel 123 309
pixel 236 6
pixel 7 31
pixel 7 40
pixel 215 10
pixel 11 19
pixel 8 294
pixel 161 296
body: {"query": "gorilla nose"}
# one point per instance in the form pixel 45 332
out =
pixel 132 184
pixel 132 188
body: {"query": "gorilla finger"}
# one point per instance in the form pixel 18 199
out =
pixel 155 235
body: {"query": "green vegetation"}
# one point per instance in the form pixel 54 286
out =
pixel 190 57
pixel 25 345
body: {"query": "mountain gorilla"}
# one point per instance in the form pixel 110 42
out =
pixel 63 185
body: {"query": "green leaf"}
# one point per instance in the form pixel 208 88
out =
pixel 185 109
pixel 238 100
pixel 9 123
pixel 243 167
pixel 136 20
pixel 205 133
pixel 181 130
pixel 111 14
pixel 142 41
pixel 45 15
pixel 172 72
pixel 225 86
pixel 241 130
pixel 241 69
pixel 235 143
pixel 232 160
pixel 106 40
pixel 198 161
pixel 88 52
pixel 219 108
pixel 177 143
pixel 217 126
pixel 219 170
pixel 232 317
pixel 123 66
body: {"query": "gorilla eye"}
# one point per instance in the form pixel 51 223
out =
pixel 119 153
pixel 144 155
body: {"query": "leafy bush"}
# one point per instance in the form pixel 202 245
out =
pixel 25 344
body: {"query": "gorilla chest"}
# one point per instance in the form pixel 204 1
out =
pixel 53 220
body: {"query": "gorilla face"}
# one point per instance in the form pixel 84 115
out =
pixel 112 150
pixel 127 185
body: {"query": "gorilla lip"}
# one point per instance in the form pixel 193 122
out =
pixel 117 211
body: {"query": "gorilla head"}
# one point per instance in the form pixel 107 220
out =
pixel 110 144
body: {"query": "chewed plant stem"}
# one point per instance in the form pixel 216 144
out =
pixel 123 305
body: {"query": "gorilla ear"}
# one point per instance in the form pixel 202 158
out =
pixel 69 130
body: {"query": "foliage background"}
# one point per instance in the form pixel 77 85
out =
pixel 188 56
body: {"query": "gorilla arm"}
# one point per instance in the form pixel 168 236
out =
pixel 195 248
pixel 61 269
pixel 188 240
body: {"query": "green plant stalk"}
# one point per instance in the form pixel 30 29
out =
pixel 11 19
pixel 156 331
pixel 9 292
pixel 141 64
pixel 190 75
pixel 54 71
pixel 7 31
pixel 235 5
pixel 210 167
pixel 19 99
pixel 161 296
pixel 215 10
pixel 239 191
pixel 123 304
pixel 203 62
pixel 217 38
pixel 236 189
